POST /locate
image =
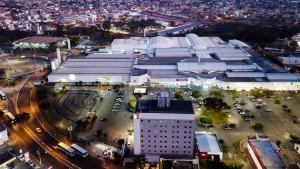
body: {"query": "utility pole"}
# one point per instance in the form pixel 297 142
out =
pixel 39 154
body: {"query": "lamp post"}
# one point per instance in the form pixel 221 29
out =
pixel 39 154
pixel 70 128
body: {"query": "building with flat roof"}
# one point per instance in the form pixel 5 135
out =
pixel 180 61
pixel 5 159
pixel 41 42
pixel 164 127
pixel 95 68
pixel 208 146
pixel 263 154
pixel 3 134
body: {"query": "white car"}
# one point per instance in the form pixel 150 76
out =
pixel 114 110
pixel 117 104
pixel 38 129
pixel 242 113
pixel 21 157
pixel 268 110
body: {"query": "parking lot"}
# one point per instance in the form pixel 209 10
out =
pixel 279 119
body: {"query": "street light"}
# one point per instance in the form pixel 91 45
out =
pixel 38 152
pixel 70 128
pixel 72 77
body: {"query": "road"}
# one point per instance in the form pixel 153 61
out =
pixel 27 103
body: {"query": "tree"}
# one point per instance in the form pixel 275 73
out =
pixel 258 126
pixel 120 142
pixel 277 102
pixel 22 117
pixel 2 72
pixel 215 91
pixel 294 138
pixel 255 92
pixel 45 105
pixel 206 120
pixel 278 143
pixel 132 103
pixel 138 95
pixel 268 93
pixel 215 104
pixel 178 96
pixel 232 125
pixel 99 133
pixel 106 25
pixel 196 94
pixel 104 135
pixel 284 106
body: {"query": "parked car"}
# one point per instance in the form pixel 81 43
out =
pixel 21 157
pixel 268 110
pixel 226 127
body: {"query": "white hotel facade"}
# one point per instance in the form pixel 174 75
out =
pixel 179 61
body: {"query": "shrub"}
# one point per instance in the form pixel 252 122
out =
pixel 178 96
pixel 294 138
pixel 45 105
pixel 196 94
pixel 232 125
pixel 206 120
pixel 277 102
pixel 258 126
pixel 132 103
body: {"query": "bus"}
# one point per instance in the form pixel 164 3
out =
pixel 79 150
pixel 66 149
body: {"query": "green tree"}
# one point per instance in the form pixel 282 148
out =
pixel 255 92
pixel 2 72
pixel 215 91
pixel 258 126
pixel 22 117
pixel 132 103
pixel 45 105
pixel 196 94
pixel 106 25
pixel 138 96
pixel 178 96
pixel 277 102
pixel 232 125
pixel 215 104
pixel 206 120
pixel 268 93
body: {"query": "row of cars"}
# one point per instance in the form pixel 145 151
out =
pixel 21 157
pixel 244 112
pixel 118 101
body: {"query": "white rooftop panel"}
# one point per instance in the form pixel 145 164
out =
pixel 207 142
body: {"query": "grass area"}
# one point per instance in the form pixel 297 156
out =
pixel 240 154
pixel 216 116
pixel 233 164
